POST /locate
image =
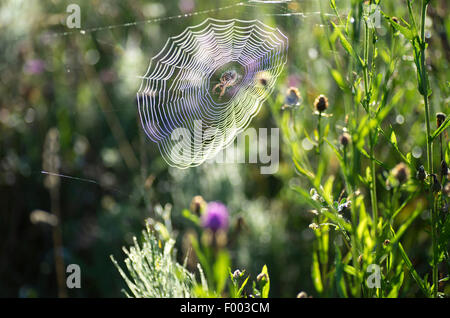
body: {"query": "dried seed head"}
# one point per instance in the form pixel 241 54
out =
pixel 321 103
pixel 293 98
pixel 401 172
pixel 344 139
pixel 198 205
pixel 421 174
pixel 440 118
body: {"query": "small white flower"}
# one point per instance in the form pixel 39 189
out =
pixel 313 226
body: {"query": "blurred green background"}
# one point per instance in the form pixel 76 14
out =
pixel 83 85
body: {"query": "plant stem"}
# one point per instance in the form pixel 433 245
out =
pixel 424 82
pixel 373 188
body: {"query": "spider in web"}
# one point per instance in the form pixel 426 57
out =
pixel 228 79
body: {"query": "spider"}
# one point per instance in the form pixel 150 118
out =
pixel 228 79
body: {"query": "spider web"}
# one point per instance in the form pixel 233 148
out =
pixel 158 122
pixel 179 110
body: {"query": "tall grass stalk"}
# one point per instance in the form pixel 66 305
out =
pixel 367 93
pixel 425 92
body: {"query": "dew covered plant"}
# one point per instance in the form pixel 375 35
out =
pixel 153 270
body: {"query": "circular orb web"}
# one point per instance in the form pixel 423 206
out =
pixel 206 85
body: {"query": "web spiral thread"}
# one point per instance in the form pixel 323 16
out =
pixel 206 85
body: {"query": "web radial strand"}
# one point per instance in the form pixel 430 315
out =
pixel 204 87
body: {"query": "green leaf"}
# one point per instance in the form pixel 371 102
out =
pixel 348 47
pixel 317 280
pixel 265 282
pixel 220 269
pixel 340 281
pixel 190 216
pixel 339 79
pixel 393 138
pixel 243 285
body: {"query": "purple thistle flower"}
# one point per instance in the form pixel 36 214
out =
pixel 35 66
pixel 216 217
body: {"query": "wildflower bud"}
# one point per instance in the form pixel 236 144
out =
pixel 360 259
pixel 321 103
pixel 344 139
pixel 401 172
pixel 261 277
pixel 237 273
pixel 444 169
pixel 302 295
pixel 421 174
pixel 386 242
pixel 395 19
pixel 436 186
pixel 198 204
pixel 440 118
pixel 216 217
